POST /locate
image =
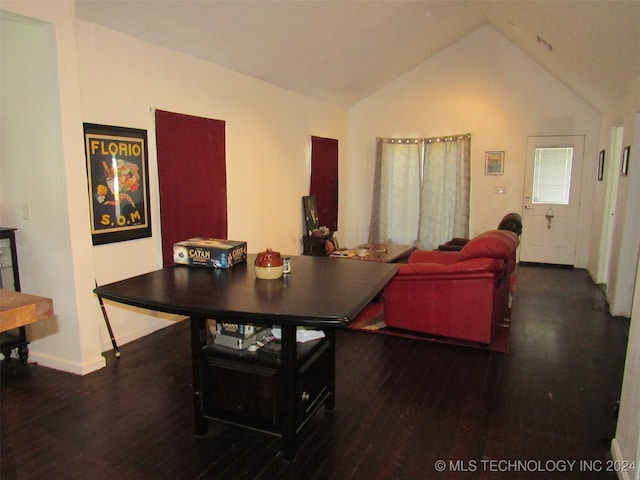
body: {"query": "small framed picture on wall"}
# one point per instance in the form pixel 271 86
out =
pixel 625 160
pixel 601 165
pixel 494 163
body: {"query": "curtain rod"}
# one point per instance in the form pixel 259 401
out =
pixel 445 138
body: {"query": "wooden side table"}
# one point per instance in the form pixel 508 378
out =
pixel 17 310
pixel 379 252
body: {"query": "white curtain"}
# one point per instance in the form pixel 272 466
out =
pixel 444 198
pixel 421 191
pixel 396 196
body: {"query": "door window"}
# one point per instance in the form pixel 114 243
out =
pixel 552 175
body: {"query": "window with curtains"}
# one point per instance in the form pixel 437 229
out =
pixel 421 190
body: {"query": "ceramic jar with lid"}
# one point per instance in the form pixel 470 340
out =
pixel 268 265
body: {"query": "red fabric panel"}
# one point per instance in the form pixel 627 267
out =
pixel 324 180
pixel 192 179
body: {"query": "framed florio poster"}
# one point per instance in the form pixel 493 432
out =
pixel 118 180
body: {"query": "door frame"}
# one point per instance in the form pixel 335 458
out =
pixel 612 167
pixel 579 142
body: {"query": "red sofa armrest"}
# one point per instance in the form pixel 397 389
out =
pixel 436 299
pixel 495 244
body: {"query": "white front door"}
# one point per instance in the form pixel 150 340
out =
pixel 551 199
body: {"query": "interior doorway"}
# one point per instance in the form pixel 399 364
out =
pixel 551 202
pixel 611 177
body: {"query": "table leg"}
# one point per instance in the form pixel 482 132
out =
pixel 288 355
pixel 330 402
pixel 198 341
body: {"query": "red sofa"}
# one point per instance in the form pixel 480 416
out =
pixel 462 295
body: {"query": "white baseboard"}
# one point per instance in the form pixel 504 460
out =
pixel 131 335
pixel 616 455
pixel 65 365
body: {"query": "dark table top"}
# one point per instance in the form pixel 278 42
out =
pixel 319 292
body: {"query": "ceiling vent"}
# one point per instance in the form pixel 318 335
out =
pixel 544 43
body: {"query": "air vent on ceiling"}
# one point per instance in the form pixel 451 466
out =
pixel 544 43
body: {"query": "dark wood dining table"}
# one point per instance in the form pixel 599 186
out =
pixel 319 293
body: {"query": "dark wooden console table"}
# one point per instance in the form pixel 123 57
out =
pixel 319 293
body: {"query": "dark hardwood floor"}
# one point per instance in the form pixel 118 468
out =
pixel 401 406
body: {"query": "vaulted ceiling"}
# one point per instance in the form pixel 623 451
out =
pixel 342 51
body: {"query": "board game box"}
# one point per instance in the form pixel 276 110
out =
pixel 209 252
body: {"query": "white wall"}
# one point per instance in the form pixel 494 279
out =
pixel 626 444
pixel 626 233
pixel 268 132
pixel 118 80
pixel 481 85
pixel 625 283
pixel 41 138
